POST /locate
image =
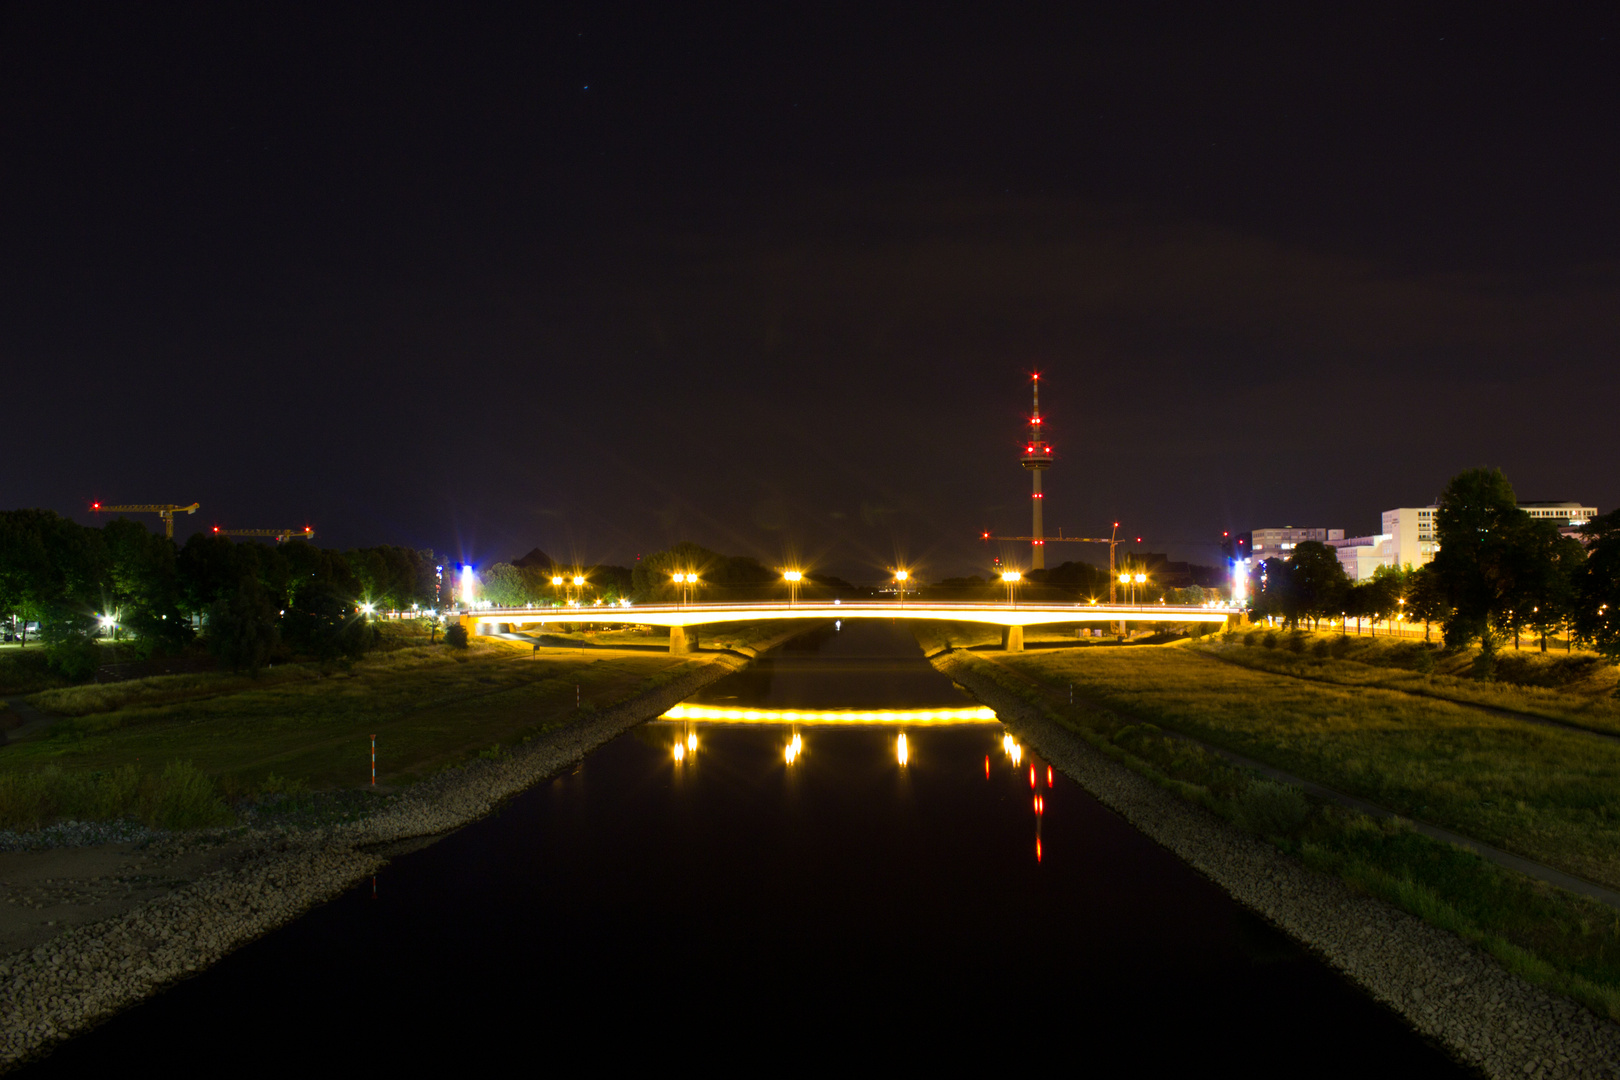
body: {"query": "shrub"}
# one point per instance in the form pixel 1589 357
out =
pixel 1425 662
pixel 1251 637
pixel 1296 642
pixel 182 797
pixel 74 658
pixel 1270 640
pixel 1320 649
pixel 1340 648
pixel 1271 809
pixel 455 636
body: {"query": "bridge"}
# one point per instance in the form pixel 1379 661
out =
pixel 1012 618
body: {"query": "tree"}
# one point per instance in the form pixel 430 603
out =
pixel 1271 591
pixel 1318 580
pixel 242 629
pixel 145 586
pixel 1382 594
pixel 504 586
pixel 1597 598
pixel 1480 530
pixel 1552 565
pixel 1424 599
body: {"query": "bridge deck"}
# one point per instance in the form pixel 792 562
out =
pixel 709 614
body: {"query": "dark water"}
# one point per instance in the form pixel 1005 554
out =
pixel 737 912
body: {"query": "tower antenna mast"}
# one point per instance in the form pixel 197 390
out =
pixel 1037 458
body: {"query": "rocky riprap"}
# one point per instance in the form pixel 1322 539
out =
pixel 87 973
pixel 1448 990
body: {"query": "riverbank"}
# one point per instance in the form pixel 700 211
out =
pixel 249 881
pixel 1447 989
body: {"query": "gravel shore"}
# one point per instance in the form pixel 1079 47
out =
pixel 87 973
pixel 1445 988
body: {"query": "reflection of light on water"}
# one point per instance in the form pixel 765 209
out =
pixel 795 747
pixel 900 747
pixel 691 741
pixel 1049 776
pixel 975 715
pixel 680 751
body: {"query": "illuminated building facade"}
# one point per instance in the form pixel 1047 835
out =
pixel 1407 537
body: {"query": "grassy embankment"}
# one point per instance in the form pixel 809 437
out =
pixel 179 750
pixel 1549 794
pixel 1576 688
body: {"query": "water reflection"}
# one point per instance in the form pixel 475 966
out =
pixel 684 743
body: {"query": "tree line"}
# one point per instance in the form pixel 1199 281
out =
pixel 1499 573
pixel 249 600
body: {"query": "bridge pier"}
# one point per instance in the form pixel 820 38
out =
pixel 679 644
pixel 1012 638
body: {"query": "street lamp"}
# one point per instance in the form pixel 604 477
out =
pixel 557 584
pixel 793 577
pixel 1011 578
pixel 900 577
pixel 685 580
pixel 579 587
pixel 1125 580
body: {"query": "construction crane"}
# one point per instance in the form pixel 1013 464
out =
pixel 306 533
pixel 166 511
pixel 1112 542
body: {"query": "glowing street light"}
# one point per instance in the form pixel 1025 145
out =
pixel 1011 578
pixel 557 584
pixel 685 580
pixel 793 577
pixel 900 577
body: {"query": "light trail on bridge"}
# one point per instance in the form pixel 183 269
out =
pixel 923 717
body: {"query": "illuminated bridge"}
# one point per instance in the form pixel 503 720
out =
pixel 1012 618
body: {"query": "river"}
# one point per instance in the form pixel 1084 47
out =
pixel 964 906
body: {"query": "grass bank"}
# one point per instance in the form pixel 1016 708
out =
pixel 1575 688
pixel 301 728
pixel 1364 743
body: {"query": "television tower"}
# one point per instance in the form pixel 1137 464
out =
pixel 1037 458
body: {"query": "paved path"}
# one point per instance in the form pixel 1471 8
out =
pixel 32 720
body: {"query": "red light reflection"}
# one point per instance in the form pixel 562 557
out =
pixel 1048 775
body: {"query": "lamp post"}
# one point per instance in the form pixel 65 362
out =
pixel 900 577
pixel 685 579
pixel 1141 579
pixel 1125 580
pixel 579 585
pixel 793 577
pixel 557 584
pixel 1011 579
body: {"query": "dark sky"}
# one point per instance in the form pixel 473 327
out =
pixel 602 277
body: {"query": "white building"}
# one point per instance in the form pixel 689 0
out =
pixel 1280 543
pixel 1408 539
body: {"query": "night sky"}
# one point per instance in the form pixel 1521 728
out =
pixel 598 278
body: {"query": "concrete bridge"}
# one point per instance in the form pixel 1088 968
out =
pixel 1012 618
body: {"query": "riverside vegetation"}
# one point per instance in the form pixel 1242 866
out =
pixel 186 750
pixel 1548 793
